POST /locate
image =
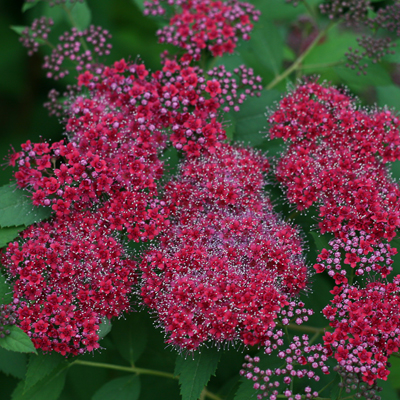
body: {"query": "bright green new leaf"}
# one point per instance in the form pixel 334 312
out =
pixel 81 15
pixel 27 6
pixel 17 29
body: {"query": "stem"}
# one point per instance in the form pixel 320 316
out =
pixel 210 395
pixel 135 370
pixel 142 371
pixel 300 59
pixel 310 329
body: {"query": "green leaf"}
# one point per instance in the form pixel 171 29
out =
pixel 12 363
pixel 394 377
pixel 388 392
pixel 139 3
pixel 388 96
pixel 49 388
pixel 125 388
pixel 18 341
pixel 377 75
pixel 334 388
pixel 81 15
pixel 246 390
pixel 266 45
pixel 17 209
pixel 40 366
pixel 5 291
pixel 8 234
pixel 105 328
pixel 18 29
pixel 130 336
pixel 26 6
pixel 332 48
pixel 321 241
pixel 195 371
pixel 250 121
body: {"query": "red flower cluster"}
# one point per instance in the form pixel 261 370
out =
pixel 205 24
pixel 337 159
pixel 68 274
pixel 366 327
pixel 227 265
pixel 301 359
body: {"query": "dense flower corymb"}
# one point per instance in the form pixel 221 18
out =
pixel 227 266
pixel 67 275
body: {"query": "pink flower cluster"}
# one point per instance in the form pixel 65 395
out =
pixel 69 274
pixel 337 159
pixel 366 327
pixel 227 266
pixel 301 360
pixel 205 24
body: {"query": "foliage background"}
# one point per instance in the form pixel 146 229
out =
pixel 24 88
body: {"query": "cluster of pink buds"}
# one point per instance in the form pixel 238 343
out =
pixel 360 252
pixel 68 275
pixel 205 24
pixel 227 265
pixel 301 360
pixel 38 31
pixel 79 47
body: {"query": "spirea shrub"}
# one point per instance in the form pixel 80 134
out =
pixel 166 214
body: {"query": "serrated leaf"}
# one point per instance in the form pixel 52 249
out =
pixel 81 15
pixel 245 390
pixel 267 46
pixel 8 234
pixel 5 291
pixel 18 341
pixel 17 209
pixel 48 388
pixel 12 363
pixel 250 121
pixel 40 366
pixel 17 29
pixel 125 388
pixel 104 328
pixel 195 371
pixel 130 336
pixel 26 6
